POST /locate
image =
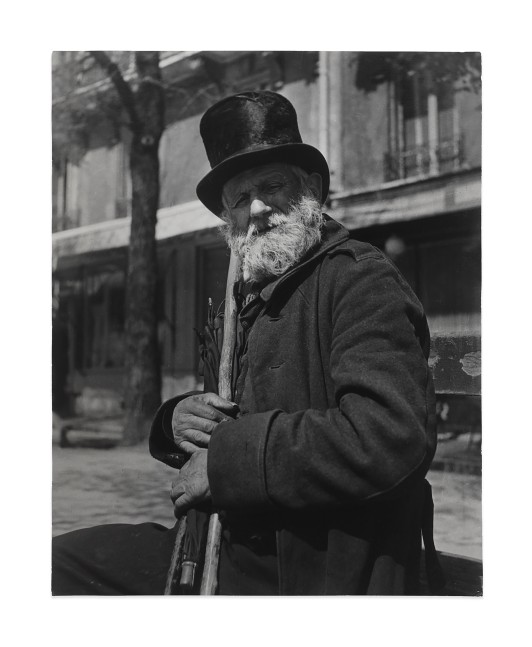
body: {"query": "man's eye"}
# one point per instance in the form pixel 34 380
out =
pixel 241 201
pixel 273 187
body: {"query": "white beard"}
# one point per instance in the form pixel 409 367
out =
pixel 268 254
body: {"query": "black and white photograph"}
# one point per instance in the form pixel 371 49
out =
pixel 266 323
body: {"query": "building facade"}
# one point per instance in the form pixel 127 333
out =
pixel 405 160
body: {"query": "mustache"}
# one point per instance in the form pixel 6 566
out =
pixel 271 250
pixel 274 220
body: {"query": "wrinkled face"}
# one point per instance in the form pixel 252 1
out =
pixel 253 196
pixel 273 218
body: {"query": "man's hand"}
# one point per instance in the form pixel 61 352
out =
pixel 195 418
pixel 193 421
pixel 192 485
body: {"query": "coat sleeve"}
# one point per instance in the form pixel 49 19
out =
pixel 380 434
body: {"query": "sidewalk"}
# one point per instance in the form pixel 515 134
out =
pixel 119 485
pixel 459 454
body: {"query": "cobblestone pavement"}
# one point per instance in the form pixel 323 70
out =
pixel 119 485
pixel 457 512
pixel 126 485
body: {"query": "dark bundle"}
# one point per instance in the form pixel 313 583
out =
pixel 193 526
pixel 210 346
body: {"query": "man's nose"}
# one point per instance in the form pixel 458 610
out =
pixel 259 212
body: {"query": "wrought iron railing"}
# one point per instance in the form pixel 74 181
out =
pixel 424 160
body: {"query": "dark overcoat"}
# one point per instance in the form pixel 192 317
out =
pixel 343 430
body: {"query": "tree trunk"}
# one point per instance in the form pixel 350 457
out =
pixel 143 373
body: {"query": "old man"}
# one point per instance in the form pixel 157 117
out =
pixel 317 466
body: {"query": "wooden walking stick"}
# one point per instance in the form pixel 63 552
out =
pixel 223 378
pixel 209 581
pixel 176 555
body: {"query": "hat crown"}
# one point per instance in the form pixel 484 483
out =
pixel 246 122
pixel 251 129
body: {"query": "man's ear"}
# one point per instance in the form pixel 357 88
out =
pixel 314 182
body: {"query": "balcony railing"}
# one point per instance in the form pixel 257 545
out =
pixel 424 160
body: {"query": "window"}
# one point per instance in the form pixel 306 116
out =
pixel 65 182
pixel 104 320
pixel 445 273
pixel 94 188
pixel 423 129
pixel 91 312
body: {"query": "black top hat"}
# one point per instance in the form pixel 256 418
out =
pixel 251 129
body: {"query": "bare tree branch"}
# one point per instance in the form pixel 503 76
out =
pixel 122 87
pixel 194 97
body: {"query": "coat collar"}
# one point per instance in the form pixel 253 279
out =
pixel 333 235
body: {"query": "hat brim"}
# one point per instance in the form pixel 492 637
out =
pixel 209 189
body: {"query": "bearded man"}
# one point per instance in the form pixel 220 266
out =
pixel 318 466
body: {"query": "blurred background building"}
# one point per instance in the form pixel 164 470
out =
pixel 405 159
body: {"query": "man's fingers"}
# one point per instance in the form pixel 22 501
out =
pixel 195 418
pixel 191 429
pixel 182 504
pixel 176 490
pixel 197 423
pixel 217 402
pixel 208 411
pixel 190 434
pixel 189 448
pixel 191 487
